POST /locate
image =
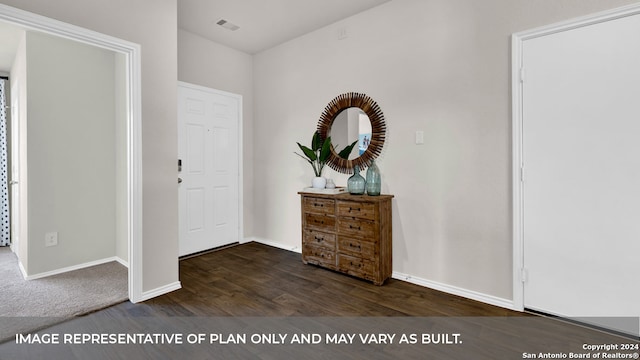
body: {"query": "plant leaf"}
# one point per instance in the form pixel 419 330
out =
pixel 307 160
pixel 347 150
pixel 326 150
pixel 308 152
pixel 316 142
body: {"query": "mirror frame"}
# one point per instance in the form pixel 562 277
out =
pixel 378 129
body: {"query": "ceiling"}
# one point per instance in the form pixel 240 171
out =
pixel 264 23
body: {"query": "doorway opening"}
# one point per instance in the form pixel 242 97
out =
pixel 127 58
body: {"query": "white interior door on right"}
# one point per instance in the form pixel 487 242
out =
pixel 581 158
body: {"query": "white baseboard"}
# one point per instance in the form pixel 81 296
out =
pixel 450 289
pixel 122 262
pixel 159 291
pixel 22 270
pixel 454 290
pixel 68 268
pixel 275 244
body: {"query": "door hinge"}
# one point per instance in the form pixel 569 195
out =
pixel 522 74
pixel 523 275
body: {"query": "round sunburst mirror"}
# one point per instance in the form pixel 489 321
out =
pixel 352 118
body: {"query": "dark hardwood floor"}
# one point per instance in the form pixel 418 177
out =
pixel 255 290
pixel 258 280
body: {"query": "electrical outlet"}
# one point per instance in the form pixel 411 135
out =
pixel 51 239
pixel 342 33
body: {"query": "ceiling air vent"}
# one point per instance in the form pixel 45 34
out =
pixel 227 25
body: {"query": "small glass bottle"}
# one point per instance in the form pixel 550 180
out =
pixel 374 182
pixel 356 182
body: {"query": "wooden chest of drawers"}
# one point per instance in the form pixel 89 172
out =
pixel 348 233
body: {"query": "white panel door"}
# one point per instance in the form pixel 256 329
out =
pixel 208 146
pixel 581 153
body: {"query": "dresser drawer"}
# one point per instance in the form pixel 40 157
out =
pixel 355 266
pixel 319 206
pixel 317 238
pixel 356 209
pixel 363 230
pixel 364 249
pixel 320 222
pixel 318 256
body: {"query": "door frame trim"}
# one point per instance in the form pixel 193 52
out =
pixel 132 54
pixel 240 147
pixel 517 176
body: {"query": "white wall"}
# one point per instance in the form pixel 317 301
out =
pixel 70 152
pixel 152 24
pixel 206 63
pixel 439 66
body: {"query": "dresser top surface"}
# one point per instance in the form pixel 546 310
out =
pixel 348 197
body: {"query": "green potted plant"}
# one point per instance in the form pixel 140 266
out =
pixel 318 154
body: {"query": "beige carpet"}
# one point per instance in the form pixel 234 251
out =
pixel 34 304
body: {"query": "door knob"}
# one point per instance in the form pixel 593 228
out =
pixel 179 180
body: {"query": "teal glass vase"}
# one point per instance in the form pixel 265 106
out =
pixel 355 184
pixel 373 182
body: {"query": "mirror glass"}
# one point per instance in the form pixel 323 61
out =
pixel 350 125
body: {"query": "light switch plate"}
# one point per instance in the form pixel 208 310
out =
pixel 419 137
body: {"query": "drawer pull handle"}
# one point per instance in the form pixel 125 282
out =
pixel 316 204
pixel 319 222
pixel 318 239
pixel 354 227
pixel 352 264
pixel 354 246
pixel 353 209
